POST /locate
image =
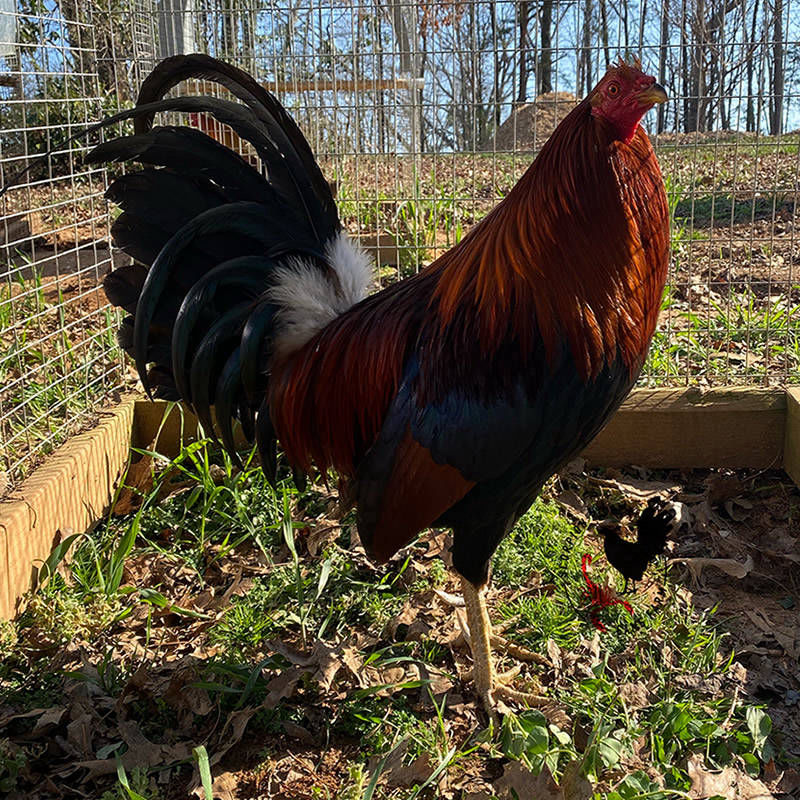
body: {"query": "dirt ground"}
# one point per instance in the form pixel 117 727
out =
pixel 737 551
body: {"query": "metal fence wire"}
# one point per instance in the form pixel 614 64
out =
pixel 423 115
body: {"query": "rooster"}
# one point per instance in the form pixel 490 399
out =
pixel 443 400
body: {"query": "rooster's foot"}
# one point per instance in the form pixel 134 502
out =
pixel 517 651
pixel 490 686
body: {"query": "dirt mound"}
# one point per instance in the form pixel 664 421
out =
pixel 530 125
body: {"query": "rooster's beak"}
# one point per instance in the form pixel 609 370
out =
pixel 652 95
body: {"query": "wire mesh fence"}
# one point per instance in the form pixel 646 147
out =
pixel 423 115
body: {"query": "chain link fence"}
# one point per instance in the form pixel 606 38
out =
pixel 423 116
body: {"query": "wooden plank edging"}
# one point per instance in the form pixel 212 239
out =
pixel 791 451
pixel 68 493
pixel 693 428
pixel 665 428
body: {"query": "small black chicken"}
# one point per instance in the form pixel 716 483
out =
pixel 630 559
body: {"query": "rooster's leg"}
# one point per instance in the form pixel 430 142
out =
pixel 497 642
pixel 489 686
pixel 480 631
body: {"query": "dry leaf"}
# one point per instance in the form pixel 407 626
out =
pixel 283 686
pixel 574 467
pixel 641 490
pixel 51 717
pixel 730 783
pixel 730 566
pixel 787 782
pixel 789 641
pixel 321 535
pixel 634 695
pixel 405 775
pixel 720 488
pixel 298 732
pixel 225 787
pixel 573 785
pixel 554 653
pixel 393 760
pixel 572 503
pixel 79 735
pixel 516 778
pixel 138 482
pixel 329 662
pixel 352 659
pixel 759 619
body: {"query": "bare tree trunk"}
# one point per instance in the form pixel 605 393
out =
pixel 524 44
pixel 751 113
pixel 586 61
pixel 604 31
pixel 686 59
pixel 662 62
pixel 776 101
pixel 496 66
pixel 544 63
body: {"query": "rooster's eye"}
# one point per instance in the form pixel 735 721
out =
pixel 613 90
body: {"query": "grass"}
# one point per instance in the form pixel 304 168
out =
pixel 629 705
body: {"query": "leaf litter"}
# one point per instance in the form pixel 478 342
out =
pixel 157 682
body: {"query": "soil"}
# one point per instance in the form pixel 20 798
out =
pixel 738 551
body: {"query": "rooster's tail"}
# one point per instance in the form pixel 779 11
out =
pixel 233 267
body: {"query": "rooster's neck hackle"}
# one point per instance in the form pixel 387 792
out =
pixel 579 245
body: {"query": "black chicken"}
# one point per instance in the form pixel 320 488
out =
pixel 653 527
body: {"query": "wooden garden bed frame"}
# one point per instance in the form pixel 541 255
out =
pixel 656 428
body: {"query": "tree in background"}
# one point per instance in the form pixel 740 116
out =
pixel 460 66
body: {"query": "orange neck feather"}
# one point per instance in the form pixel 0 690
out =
pixel 582 239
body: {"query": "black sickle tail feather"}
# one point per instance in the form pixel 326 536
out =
pixel 209 231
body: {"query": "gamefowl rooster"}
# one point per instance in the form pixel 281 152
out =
pixel 444 400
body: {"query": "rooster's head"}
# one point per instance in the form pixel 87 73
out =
pixel 623 96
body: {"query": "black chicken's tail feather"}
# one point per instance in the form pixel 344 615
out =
pixel 210 232
pixel 245 276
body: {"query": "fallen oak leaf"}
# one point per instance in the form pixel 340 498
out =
pixel 640 489
pixel 327 660
pixel 51 717
pixel 518 782
pixel 730 566
pixel 730 783
pixel 573 504
pixel 137 483
pixel 225 787
pixel 283 686
pixel 143 753
pixel 415 773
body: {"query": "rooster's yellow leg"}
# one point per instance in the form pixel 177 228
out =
pixel 480 631
pixel 489 686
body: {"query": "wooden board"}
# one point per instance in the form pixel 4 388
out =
pixel 164 427
pixel 736 428
pixel 739 428
pixel 653 428
pixel 791 448
pixel 67 494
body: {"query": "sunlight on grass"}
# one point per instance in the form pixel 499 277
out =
pixel 636 701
